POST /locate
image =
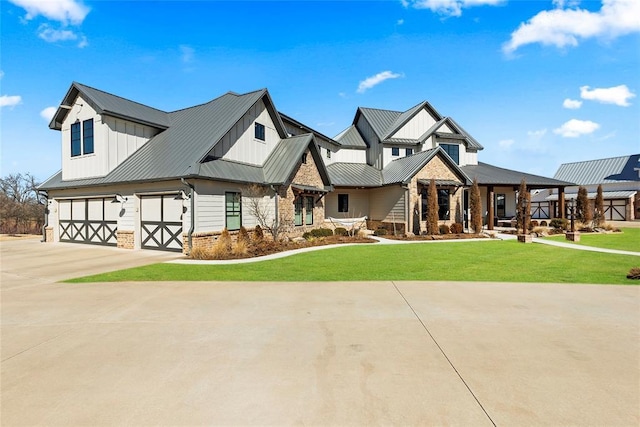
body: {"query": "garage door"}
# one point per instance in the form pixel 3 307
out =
pixel 93 221
pixel 615 210
pixel 161 222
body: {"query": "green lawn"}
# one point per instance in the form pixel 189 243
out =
pixel 491 260
pixel 628 240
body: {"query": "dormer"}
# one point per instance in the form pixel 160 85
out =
pixel 99 130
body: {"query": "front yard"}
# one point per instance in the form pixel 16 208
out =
pixel 628 240
pixel 490 260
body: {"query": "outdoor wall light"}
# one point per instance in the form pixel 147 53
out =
pixel 119 199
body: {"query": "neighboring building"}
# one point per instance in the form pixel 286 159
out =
pixel 137 177
pixel 620 180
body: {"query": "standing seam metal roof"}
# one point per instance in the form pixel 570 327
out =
pixel 351 138
pixel 601 171
pixel 487 174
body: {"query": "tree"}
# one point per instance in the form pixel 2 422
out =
pixel 263 211
pixel 523 208
pixel 21 210
pixel 432 208
pixel 476 207
pixel 583 207
pixel 598 217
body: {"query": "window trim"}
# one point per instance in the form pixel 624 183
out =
pixel 308 213
pixel 85 138
pixel 77 133
pixel 233 212
pixel 445 147
pixel 408 152
pixel 447 213
pixel 298 207
pixel 343 203
pixel 259 132
pixel 395 151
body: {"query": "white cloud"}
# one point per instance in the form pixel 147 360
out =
pixel 63 11
pixel 536 134
pixel 48 34
pixel 48 113
pixel 372 81
pixel 618 95
pixel 400 22
pixel 563 27
pixel 574 128
pixel 506 144
pixel 187 53
pixel 572 104
pixel 10 100
pixel 448 7
pixel 83 42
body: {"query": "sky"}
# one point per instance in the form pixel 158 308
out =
pixel 537 83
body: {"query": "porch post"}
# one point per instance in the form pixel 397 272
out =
pixel 490 214
pixel 561 214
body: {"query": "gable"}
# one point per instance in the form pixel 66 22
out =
pixel 416 126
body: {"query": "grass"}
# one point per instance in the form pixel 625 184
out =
pixel 628 240
pixel 491 260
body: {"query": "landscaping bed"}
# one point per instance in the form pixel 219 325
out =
pixel 438 237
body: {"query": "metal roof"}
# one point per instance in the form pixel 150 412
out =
pixel 293 123
pixel 443 182
pixel 287 156
pixel 487 174
pixel 601 171
pixel 225 170
pixel 403 169
pixel 401 141
pixel 354 175
pixel 605 194
pixel 106 103
pixel 380 120
pixel 404 118
pixel 351 138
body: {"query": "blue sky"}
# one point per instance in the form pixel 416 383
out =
pixel 537 83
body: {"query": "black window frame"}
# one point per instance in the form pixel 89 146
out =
pixel 304 158
pixel 309 204
pixel 328 153
pixel 76 139
pixel 260 132
pixel 233 212
pixel 501 205
pixel 87 137
pixel 395 151
pixel 408 152
pixel 298 208
pixel 448 148
pixel 444 205
pixel 343 203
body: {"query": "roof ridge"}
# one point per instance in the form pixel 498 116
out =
pixel 599 160
pixel 381 109
pixel 230 93
pixel 118 96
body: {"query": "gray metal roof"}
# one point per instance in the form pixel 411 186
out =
pixel 492 175
pixel 605 194
pixel 301 128
pixel 401 141
pixel 354 175
pixel 403 169
pixel 351 138
pixel 106 103
pixel 224 170
pixel 472 143
pixel 403 118
pixel 380 120
pixel 601 171
pixel 443 182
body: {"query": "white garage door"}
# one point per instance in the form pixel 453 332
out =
pixel 615 210
pixel 161 221
pixel 92 221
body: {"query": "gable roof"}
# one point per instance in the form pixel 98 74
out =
pixel 351 138
pixel 306 129
pixel 286 156
pixel 601 171
pixel 487 174
pixel 354 175
pixel 112 105
pixel 405 117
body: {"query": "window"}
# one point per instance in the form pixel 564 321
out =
pixel 408 152
pixel 260 131
pixel 443 204
pixel 75 139
pixel 298 211
pixel 87 136
pixel 328 153
pixel 304 158
pixel 500 205
pixel 453 150
pixel 343 203
pixel 395 151
pixel 309 210
pixel 233 211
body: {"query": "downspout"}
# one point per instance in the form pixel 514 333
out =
pixel 275 190
pixel 193 213
pixel 46 215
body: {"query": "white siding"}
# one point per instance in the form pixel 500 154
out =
pixel 240 144
pixel 416 127
pixel 346 155
pixel 388 157
pixel 358 203
pixel 388 204
pixel 123 138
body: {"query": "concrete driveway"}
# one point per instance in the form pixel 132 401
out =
pixel 401 353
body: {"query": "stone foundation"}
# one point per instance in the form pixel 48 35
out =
pixel 48 234
pixel 389 226
pixel 573 236
pixel 525 238
pixel 207 240
pixel 125 239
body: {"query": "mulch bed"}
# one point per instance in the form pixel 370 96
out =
pixel 438 237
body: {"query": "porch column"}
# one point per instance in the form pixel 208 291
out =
pixel 561 214
pixel 490 213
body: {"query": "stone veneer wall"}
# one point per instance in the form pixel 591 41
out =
pixel 436 169
pixel 125 239
pixel 207 240
pixel 48 234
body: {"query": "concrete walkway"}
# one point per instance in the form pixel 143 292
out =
pixel 568 245
pixel 324 353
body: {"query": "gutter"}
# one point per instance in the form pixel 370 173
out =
pixel 46 215
pixel 193 213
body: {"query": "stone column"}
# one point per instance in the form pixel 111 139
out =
pixel 490 214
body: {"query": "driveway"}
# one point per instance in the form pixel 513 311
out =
pixel 402 353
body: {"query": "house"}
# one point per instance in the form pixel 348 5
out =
pixel 137 177
pixel 620 180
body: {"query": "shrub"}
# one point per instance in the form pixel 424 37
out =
pixel 634 273
pixel 224 241
pixel 534 223
pixel 317 232
pixel 543 223
pixel 258 235
pixel 243 235
pixel 380 232
pixel 200 253
pixel 559 223
pixel 444 229
pixel 457 228
pixel 340 231
pixel 240 248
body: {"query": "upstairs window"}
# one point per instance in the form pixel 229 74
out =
pixel 87 136
pixel 408 151
pixel 343 203
pixel 395 151
pixel 75 140
pixel 328 153
pixel 260 132
pixel 453 150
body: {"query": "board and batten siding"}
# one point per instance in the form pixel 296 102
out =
pixel 346 155
pixel 240 144
pixel 416 127
pixel 388 204
pixel 123 138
